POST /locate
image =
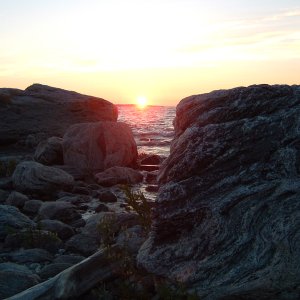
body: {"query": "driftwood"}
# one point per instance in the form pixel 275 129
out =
pixel 74 281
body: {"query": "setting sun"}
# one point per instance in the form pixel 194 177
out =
pixel 142 102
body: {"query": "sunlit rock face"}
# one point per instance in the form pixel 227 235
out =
pixel 49 111
pixel 227 217
pixel 92 147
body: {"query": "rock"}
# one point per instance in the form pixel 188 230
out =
pixel 30 256
pixel 151 160
pixel 59 210
pixel 75 281
pixel 50 152
pixel 53 269
pixel 105 196
pixel 32 207
pixel 48 110
pixel 94 147
pixel 15 278
pixel 226 219
pixel 33 238
pixel 11 219
pixel 33 177
pixel 16 199
pixel 69 259
pixel 101 207
pixel 149 168
pixel 151 177
pixel 118 175
pixel 62 230
pixel 3 196
pixel 6 183
pixel 152 188
pixel 82 244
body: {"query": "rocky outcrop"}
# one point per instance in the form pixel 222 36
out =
pixel 50 152
pixel 33 177
pixel 93 147
pixel 48 110
pixel 118 175
pixel 226 220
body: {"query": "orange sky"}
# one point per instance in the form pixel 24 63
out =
pixel 162 50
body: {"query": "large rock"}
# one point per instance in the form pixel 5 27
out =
pixel 33 177
pixel 49 110
pixel 118 175
pixel 93 147
pixel 50 152
pixel 227 219
pixel 12 220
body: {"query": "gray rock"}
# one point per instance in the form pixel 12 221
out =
pixel 82 244
pixel 53 269
pixel 105 196
pixel 29 256
pixel 48 110
pixel 59 210
pixel 69 259
pixel 153 159
pixel 3 196
pixel 32 207
pixel 226 219
pixel 16 199
pixel 15 278
pixel 93 147
pixel 33 177
pixel 49 152
pixel 118 175
pixel 101 207
pixel 63 230
pixel 11 219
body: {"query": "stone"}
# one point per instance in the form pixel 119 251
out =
pixel 74 281
pixel 33 238
pixel 34 255
pixel 31 207
pixel 94 147
pixel 82 244
pixel 48 110
pixel 11 219
pixel 62 230
pixel 50 152
pixel 101 207
pixel 105 196
pixel 15 278
pixel 59 210
pixel 226 219
pixel 3 196
pixel 33 177
pixel 118 175
pixel 69 259
pixel 53 269
pixel 153 159
pixel 16 199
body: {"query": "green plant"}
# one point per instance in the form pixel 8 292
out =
pixel 140 205
pixel 108 229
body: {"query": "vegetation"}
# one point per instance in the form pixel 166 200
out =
pixel 7 168
pixel 140 205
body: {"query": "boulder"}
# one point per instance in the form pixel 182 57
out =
pixel 31 207
pixel 105 196
pixel 34 255
pixel 16 199
pixel 59 210
pixel 53 269
pixel 50 152
pixel 48 110
pixel 12 220
pixel 15 278
pixel 33 177
pixel 69 259
pixel 93 147
pixel 153 159
pixel 82 244
pixel 62 230
pixel 226 220
pixel 118 175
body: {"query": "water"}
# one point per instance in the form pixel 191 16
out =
pixel 152 127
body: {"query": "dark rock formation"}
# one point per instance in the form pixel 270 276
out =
pixel 48 110
pixel 50 152
pixel 92 147
pixel 227 217
pixel 33 177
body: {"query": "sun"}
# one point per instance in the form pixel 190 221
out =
pixel 141 102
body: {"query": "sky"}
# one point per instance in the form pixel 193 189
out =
pixel 160 49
